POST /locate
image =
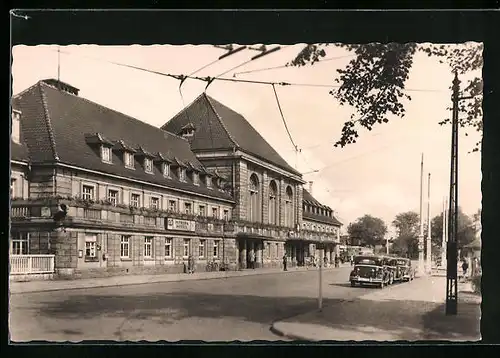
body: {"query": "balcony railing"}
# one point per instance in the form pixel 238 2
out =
pixel 20 212
pixel 31 264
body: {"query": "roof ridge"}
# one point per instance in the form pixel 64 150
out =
pixel 220 120
pixel 48 123
pixel 110 109
pixel 14 96
pixel 183 109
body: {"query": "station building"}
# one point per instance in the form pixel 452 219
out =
pixel 100 193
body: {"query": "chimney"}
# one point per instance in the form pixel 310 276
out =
pixel 16 132
pixel 310 188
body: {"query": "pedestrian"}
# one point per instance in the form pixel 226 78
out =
pixel 284 263
pixel 252 260
pixel 465 266
pixel 190 264
pixel 325 259
pixel 337 261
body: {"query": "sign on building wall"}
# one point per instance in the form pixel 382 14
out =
pixel 182 225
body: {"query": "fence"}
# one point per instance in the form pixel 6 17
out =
pixel 31 264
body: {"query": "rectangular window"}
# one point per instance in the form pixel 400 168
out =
pixel 216 248
pixel 106 154
pixel 148 247
pixel 215 213
pixel 88 192
pixel 129 160
pixel 148 165
pixel 186 248
pixel 196 180
pixel 135 200
pixel 208 180
pixel 168 248
pixel 187 208
pixel 20 243
pixel 166 170
pixel 113 196
pixel 201 210
pixel 90 245
pixel 125 246
pixel 203 245
pixel 13 188
pixel 172 205
pixel 226 214
pixel 155 203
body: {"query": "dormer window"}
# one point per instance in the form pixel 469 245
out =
pixel 148 165
pixel 182 174
pixel 208 181
pixel 106 154
pixel 166 170
pixel 196 178
pixel 129 160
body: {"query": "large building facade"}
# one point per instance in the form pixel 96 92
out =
pixel 107 194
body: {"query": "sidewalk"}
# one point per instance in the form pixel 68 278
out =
pixel 409 311
pixel 55 285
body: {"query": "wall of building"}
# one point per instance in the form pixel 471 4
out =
pixel 70 182
pixel 20 185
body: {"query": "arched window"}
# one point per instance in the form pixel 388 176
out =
pixel 253 198
pixel 289 207
pixel 273 197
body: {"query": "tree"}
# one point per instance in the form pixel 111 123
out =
pixel 369 230
pixel 373 82
pixel 465 233
pixel 407 226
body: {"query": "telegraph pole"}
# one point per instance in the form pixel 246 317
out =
pixel 443 242
pixel 421 271
pixel 429 242
pixel 452 247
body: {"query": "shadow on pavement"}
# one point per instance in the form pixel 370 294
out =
pixel 464 326
pixel 392 320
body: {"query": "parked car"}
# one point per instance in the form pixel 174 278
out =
pixel 391 268
pixel 406 269
pixel 369 270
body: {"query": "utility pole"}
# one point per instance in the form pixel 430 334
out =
pixel 452 247
pixel 320 294
pixel 429 242
pixel 443 242
pixel 421 270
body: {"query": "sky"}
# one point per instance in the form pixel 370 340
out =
pixel 379 175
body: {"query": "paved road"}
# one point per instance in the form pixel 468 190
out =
pixel 239 308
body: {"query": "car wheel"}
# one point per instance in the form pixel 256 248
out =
pixel 353 283
pixel 381 285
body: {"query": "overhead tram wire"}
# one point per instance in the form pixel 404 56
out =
pixel 289 66
pixel 264 51
pixel 207 79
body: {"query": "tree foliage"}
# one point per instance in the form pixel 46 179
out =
pixel 465 234
pixel 407 228
pixel 369 230
pixel 373 82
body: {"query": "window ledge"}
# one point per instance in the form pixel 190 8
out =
pixel 125 259
pixel 149 259
pixel 91 259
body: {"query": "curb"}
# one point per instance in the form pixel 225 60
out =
pixel 50 289
pixel 280 333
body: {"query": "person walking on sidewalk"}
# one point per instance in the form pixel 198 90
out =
pixel 465 266
pixel 190 264
pixel 284 263
pixel 252 260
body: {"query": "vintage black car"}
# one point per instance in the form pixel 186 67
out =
pixel 390 264
pixel 407 272
pixel 369 270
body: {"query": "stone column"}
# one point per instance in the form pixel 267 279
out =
pixel 66 253
pixel 243 253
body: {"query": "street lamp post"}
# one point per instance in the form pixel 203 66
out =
pixel 421 270
pixel 320 294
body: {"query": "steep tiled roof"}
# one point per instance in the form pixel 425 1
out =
pixel 219 127
pixel 309 199
pixel 18 152
pixel 55 124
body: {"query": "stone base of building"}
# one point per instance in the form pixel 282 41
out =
pixel 31 277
